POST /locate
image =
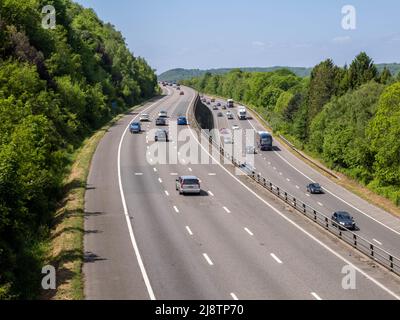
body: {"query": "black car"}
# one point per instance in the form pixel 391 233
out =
pixel 220 114
pixel 314 188
pixel 161 121
pixel 342 220
pixel 218 104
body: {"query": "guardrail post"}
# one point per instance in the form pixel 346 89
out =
pixel 391 263
pixel 372 249
pixel 304 208
pixel 286 196
pixel 315 215
pixel 277 189
pixel 355 240
pixel 294 202
pixel 253 175
pixel 258 177
pixel 270 185
pixel 326 222
pixel 265 182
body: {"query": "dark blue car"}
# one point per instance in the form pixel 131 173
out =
pixel 182 121
pixel 135 127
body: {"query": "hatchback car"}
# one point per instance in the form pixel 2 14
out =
pixel 229 115
pixel 161 121
pixel 343 219
pixel 235 127
pixel 314 188
pixel 228 140
pixel 161 135
pixel 215 108
pixel 220 114
pixel 182 121
pixel 144 117
pixel 188 184
pixel 135 127
pixel 218 104
pixel 182 93
pixel 163 114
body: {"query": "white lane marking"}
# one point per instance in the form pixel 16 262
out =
pixel 173 174
pixel 211 194
pixel 183 161
pixel 320 204
pixel 376 282
pixel 155 169
pixel 276 258
pixel 337 197
pixel 269 162
pixel 308 195
pixel 189 231
pixel 138 173
pixel 151 160
pixel 127 217
pixel 190 169
pixel 378 242
pixel 288 179
pixel 249 232
pixel 227 210
pixel 212 174
pixel 208 259
pixel 297 187
pixel 274 168
pixel 167 193
pixel 316 296
pixel 176 209
pixel 148 147
pixel 280 173
pixel 160 180
pixel 234 297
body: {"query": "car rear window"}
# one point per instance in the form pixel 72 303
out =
pixel 190 181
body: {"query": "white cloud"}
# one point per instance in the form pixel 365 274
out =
pixel 258 44
pixel 341 40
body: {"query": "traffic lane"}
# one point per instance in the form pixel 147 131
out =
pixel 108 273
pixel 294 183
pixel 174 271
pixel 201 208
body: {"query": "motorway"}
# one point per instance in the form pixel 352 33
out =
pixel 282 168
pixel 145 241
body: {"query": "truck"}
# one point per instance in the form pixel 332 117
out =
pixel 242 113
pixel 230 103
pixel 264 141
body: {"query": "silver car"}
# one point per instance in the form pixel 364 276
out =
pixel 188 184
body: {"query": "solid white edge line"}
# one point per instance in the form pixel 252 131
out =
pixel 292 222
pixel 316 296
pixel 126 213
pixel 276 258
pixel 208 259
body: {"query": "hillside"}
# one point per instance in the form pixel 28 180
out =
pixel 186 74
pixel 56 87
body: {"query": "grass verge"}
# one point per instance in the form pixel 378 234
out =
pixel 66 242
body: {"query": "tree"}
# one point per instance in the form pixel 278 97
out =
pixel 386 76
pixel 323 86
pixel 362 70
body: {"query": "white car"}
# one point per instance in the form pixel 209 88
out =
pixel 163 114
pixel 229 115
pixel 235 127
pixel 188 184
pixel 144 117
pixel 228 140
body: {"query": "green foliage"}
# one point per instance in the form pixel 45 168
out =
pixel 56 87
pixel 339 114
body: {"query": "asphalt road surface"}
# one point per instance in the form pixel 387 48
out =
pixel 145 241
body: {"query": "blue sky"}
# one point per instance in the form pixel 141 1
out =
pixel 254 33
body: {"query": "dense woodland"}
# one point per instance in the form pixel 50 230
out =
pixel 347 116
pixel 56 87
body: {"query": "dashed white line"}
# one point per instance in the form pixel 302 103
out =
pixel 176 209
pixel 378 242
pixel 276 258
pixel 167 193
pixel 308 195
pixel 190 169
pixel 227 210
pixel 280 173
pixel 234 297
pixel 249 232
pixel 297 187
pixel 160 180
pixel 211 194
pixel 208 259
pixel 288 179
pixel 173 174
pixel 274 168
pixel 320 204
pixel 155 169
pixel 212 174
pixel 316 296
pixel 138 173
pixel 189 231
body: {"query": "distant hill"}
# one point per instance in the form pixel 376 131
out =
pixel 184 74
